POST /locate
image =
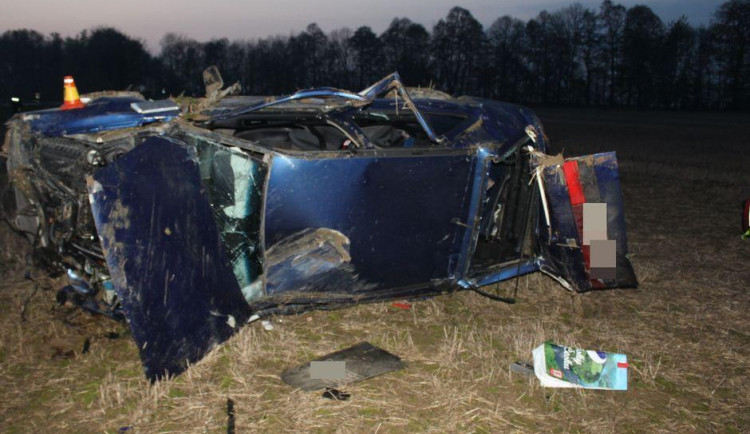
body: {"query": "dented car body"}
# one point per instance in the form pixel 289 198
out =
pixel 321 199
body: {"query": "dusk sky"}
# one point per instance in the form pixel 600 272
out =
pixel 237 19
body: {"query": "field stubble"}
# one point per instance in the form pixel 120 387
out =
pixel 685 330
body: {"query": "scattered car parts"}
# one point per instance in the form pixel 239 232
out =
pixel 189 226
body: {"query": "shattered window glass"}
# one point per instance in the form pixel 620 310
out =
pixel 234 185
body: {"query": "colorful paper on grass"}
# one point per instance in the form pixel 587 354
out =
pixel 558 366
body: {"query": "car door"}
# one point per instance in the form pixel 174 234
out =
pixel 374 222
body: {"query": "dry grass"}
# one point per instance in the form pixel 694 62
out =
pixel 685 330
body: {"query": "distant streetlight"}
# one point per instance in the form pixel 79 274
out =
pixel 15 104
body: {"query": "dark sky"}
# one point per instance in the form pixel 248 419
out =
pixel 247 19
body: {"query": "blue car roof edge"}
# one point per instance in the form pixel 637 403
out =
pixel 383 84
pixel 393 81
pixel 302 94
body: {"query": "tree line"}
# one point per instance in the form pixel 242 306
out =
pixel 610 56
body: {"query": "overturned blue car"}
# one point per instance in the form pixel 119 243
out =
pixel 188 223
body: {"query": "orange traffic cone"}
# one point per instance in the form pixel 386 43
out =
pixel 71 98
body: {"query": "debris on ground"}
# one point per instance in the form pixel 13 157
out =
pixel 558 366
pixel 335 394
pixel 746 219
pixel 361 361
pixel 524 368
pixel 401 305
pixel 230 416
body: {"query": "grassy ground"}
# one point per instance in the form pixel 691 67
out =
pixel 685 331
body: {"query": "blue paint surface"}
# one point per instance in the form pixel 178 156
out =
pixel 399 213
pixel 102 114
pixel 165 255
pixel 478 189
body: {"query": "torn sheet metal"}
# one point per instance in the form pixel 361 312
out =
pixel 312 260
pixel 169 267
pixel 590 179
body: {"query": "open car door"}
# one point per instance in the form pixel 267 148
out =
pixel 582 227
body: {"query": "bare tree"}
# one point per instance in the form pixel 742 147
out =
pixel 458 44
pixel 368 55
pixel 612 21
pixel 507 69
pixel 642 38
pixel 406 48
pixel 731 28
pixel 572 56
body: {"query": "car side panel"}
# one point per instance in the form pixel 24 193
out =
pixel 404 216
